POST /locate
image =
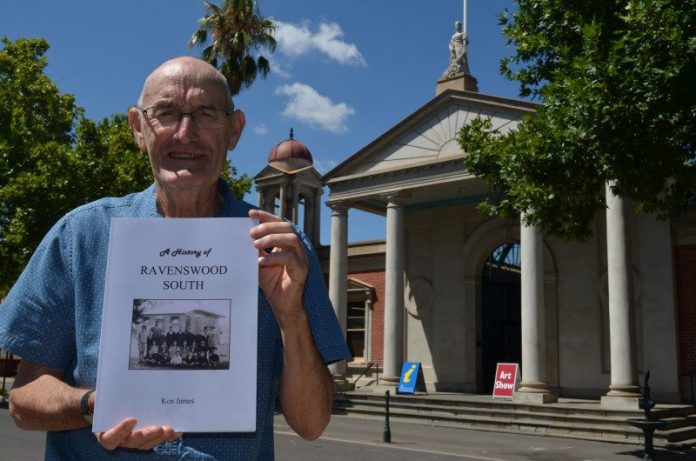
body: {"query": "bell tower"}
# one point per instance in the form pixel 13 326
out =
pixel 290 186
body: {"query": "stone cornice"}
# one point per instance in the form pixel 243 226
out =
pixel 390 172
pixel 384 183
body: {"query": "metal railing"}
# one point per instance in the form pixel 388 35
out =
pixel 367 368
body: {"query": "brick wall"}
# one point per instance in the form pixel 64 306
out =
pixel 685 276
pixel 376 279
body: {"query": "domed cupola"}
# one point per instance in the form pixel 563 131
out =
pixel 290 187
pixel 290 156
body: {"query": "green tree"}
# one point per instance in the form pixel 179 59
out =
pixel 238 33
pixel 53 159
pixel 239 185
pixel 617 85
pixel 108 151
pixel 36 130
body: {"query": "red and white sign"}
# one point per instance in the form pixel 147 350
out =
pixel 505 380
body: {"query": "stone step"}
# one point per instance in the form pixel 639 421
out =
pixel 619 431
pixel 455 414
pixel 685 444
pixel 677 423
pixel 660 412
pixel 444 411
pixel 505 407
pixel 518 426
pixel 554 420
pixel 680 435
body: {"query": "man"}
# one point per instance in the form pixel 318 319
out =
pixel 155 338
pixel 188 339
pixel 170 338
pixel 142 343
pixel 178 336
pixel 186 123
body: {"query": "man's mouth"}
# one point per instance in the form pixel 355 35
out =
pixel 184 155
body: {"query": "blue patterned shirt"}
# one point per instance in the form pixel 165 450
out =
pixel 52 317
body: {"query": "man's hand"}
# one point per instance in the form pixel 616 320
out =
pixel 41 400
pixel 306 389
pixel 283 271
pixel 122 436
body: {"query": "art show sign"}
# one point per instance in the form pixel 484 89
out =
pixel 179 325
pixel 506 380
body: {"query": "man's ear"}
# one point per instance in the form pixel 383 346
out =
pixel 238 122
pixel 136 123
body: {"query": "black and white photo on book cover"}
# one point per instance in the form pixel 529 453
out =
pixel 178 342
pixel 180 334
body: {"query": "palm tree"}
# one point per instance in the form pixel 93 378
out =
pixel 238 32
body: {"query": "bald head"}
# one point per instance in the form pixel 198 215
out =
pixel 190 71
pixel 188 156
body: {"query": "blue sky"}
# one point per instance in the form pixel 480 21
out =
pixel 344 73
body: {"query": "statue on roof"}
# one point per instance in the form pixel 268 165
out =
pixel 458 62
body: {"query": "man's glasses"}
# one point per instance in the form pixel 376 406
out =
pixel 170 117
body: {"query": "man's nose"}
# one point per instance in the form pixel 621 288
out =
pixel 186 130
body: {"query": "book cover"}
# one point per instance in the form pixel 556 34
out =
pixel 179 325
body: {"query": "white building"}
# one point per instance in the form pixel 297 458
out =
pixel 460 291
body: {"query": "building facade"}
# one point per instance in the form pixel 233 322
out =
pixel 460 291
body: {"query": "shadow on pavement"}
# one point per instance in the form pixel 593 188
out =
pixel 662 454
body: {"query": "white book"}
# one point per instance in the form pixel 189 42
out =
pixel 179 325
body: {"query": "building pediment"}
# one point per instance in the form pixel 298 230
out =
pixel 428 136
pixel 421 155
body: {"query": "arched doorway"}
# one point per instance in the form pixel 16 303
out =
pixel 500 310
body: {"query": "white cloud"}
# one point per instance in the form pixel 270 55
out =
pixel 293 40
pixel 279 69
pixel 308 106
pixel 260 129
pixel 296 40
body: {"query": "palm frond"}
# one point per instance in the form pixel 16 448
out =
pixel 213 8
pixel 239 35
pixel 198 38
pixel 263 66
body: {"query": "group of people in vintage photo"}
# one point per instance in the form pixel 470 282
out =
pixel 173 348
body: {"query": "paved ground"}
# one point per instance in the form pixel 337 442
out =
pixel 16 445
pixel 349 438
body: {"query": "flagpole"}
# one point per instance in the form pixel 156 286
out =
pixel 465 19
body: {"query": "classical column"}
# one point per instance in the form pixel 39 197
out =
pixel 261 197
pixel 624 389
pixel 295 204
pixel 308 218
pixel 338 280
pixel 269 200
pixel 283 198
pixel 368 326
pixel 316 228
pixel 394 290
pixel 534 385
